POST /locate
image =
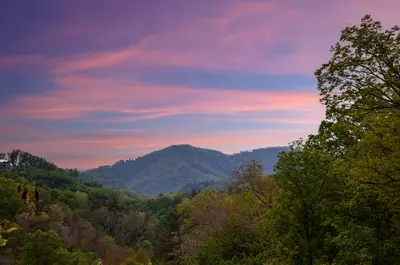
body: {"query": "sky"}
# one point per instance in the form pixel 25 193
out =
pixel 88 83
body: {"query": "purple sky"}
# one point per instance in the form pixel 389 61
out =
pixel 86 83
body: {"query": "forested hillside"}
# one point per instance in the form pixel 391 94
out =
pixel 73 222
pixel 170 169
pixel 332 199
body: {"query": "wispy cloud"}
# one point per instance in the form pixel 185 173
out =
pixel 248 36
pixel 83 55
pixel 91 151
pixel 245 35
pixel 80 96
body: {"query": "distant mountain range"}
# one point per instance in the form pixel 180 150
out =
pixel 178 167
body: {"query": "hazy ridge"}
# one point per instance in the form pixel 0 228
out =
pixel 173 167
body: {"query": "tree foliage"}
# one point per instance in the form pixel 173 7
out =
pixel 333 198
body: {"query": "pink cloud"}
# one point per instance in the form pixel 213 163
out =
pixel 34 61
pixel 94 148
pixel 312 118
pixel 210 43
pixel 91 151
pixel 81 96
pixel 269 37
pixel 241 38
pixel 247 35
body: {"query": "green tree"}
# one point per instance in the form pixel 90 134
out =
pixel 41 248
pixel 11 202
pixel 363 76
pixel 5 231
pixel 360 87
pixel 82 258
pixel 235 241
pixel 366 232
pixel 142 257
pixel 304 188
pixel 131 261
pixel 250 178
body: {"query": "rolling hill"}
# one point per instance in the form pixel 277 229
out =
pixel 172 168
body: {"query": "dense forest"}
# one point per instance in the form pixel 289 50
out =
pixel 333 198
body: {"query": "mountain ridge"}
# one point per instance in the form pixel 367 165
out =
pixel 171 168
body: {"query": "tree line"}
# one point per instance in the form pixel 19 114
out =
pixel 333 199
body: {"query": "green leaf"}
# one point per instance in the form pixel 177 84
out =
pixel 3 241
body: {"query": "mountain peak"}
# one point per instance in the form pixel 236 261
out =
pixel 171 168
pixel 181 146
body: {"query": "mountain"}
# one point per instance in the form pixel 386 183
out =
pixel 266 156
pixel 172 168
pixel 199 186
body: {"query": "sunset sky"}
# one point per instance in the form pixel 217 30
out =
pixel 89 82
